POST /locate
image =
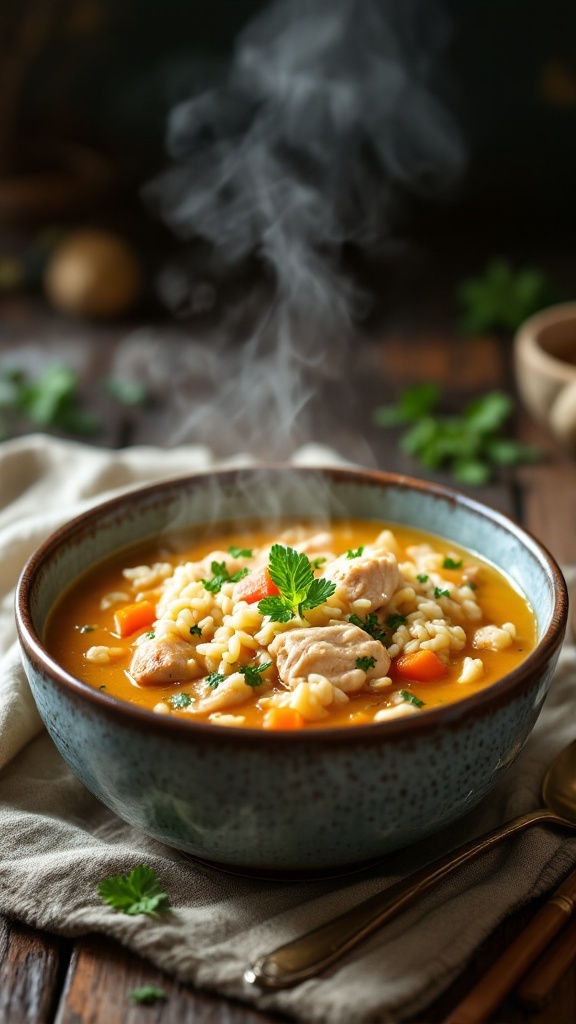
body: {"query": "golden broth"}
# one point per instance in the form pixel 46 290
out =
pixel 80 621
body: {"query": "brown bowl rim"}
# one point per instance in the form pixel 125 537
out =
pixel 448 717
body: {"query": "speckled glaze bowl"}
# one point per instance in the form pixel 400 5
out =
pixel 251 799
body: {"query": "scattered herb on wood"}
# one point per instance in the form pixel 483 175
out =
pixel 470 445
pixel 49 400
pixel 136 893
pixel 300 590
pixel 147 995
pixel 502 297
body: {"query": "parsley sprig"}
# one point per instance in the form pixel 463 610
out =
pixel 300 591
pixel 137 893
pixel 253 673
pixel 220 575
pixel 371 625
pixel 147 995
pixel 502 297
pixel 470 445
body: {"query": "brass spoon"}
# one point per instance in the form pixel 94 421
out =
pixel 313 952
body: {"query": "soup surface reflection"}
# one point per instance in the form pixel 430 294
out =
pixel 313 626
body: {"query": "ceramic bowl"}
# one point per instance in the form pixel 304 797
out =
pixel 545 369
pixel 254 800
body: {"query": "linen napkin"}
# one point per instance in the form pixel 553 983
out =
pixel 57 841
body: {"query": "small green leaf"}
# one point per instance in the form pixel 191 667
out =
pixel 180 700
pixel 355 552
pixel 136 893
pixel 411 698
pixel 438 592
pixel 253 673
pixel 195 631
pixel 214 679
pixel 147 995
pixel 452 563
pixel 365 663
pixel 393 621
pixel 240 552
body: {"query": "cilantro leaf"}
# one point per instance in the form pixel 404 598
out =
pixel 355 552
pixel 252 673
pixel 411 698
pixel 220 575
pixel 470 445
pixel 180 700
pixel 300 591
pixel 147 995
pixel 501 297
pixel 371 625
pixel 214 679
pixel 365 663
pixel 452 563
pixel 136 893
pixel 240 552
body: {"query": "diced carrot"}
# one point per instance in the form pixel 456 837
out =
pixel 134 616
pixel 422 666
pixel 282 718
pixel 255 586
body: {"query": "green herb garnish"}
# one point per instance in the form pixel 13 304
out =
pixel 469 445
pixel 86 628
pixel 365 663
pixel 214 679
pixel 371 625
pixel 147 994
pixel 220 575
pixel 317 563
pixel 473 586
pixel 252 673
pixel 180 700
pixel 422 577
pixel 150 634
pixel 451 563
pixel 411 698
pixel 300 591
pixel 240 552
pixel 355 552
pixel 136 893
pixel 396 620
pixel 438 592
pixel 501 298
pixel 51 400
pixel 195 631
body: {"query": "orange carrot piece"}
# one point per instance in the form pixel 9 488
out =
pixel 282 718
pixel 255 586
pixel 423 666
pixel 134 616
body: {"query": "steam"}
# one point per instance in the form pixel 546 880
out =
pixel 326 122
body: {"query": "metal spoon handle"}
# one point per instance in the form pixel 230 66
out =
pixel 312 952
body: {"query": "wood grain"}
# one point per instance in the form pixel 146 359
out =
pixel 31 970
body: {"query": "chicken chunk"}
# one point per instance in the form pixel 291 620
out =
pixel 373 576
pixel 162 660
pixel 332 652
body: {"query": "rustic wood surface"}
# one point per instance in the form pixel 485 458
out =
pixel 45 978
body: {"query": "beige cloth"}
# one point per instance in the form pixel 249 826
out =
pixel 57 841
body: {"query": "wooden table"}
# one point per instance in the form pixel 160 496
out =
pixel 44 978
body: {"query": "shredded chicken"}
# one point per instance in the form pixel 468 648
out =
pixel 373 576
pixel 163 660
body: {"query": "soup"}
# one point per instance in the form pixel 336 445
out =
pixel 305 628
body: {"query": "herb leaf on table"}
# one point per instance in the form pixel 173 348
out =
pixel 137 893
pixel 470 445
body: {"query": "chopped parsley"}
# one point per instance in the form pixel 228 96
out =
pixel 195 631
pixel 394 621
pixel 317 563
pixel 180 700
pixel 240 552
pixel 300 591
pixel 252 673
pixel 422 577
pixel 411 698
pixel 220 575
pixel 438 592
pixel 86 628
pixel 103 687
pixel 371 625
pixel 451 563
pixel 473 586
pixel 136 893
pixel 147 995
pixel 151 634
pixel 365 663
pixel 355 552
pixel 214 679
